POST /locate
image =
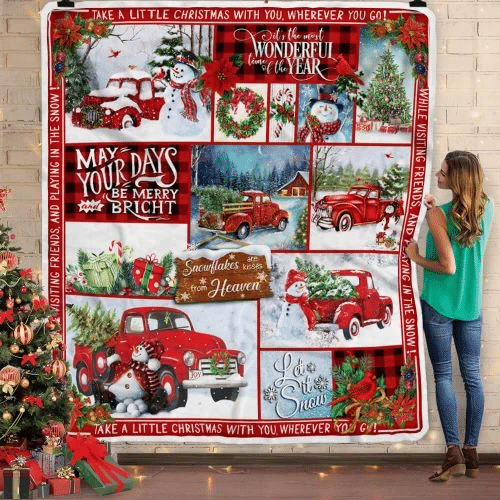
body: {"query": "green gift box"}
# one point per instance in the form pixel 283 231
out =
pixel 101 270
pixel 43 490
pixel 101 472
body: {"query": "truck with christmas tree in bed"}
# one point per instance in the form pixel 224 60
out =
pixel 360 205
pixel 345 299
pixel 244 212
pixel 128 97
pixel 187 359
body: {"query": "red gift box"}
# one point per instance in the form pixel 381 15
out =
pixel 23 458
pixel 147 274
pixel 364 127
pixel 64 486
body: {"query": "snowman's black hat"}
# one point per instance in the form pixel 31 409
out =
pixel 327 93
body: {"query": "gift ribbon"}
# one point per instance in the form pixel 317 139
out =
pixel 89 449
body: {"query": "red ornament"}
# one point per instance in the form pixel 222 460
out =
pixel 24 289
pixel 10 377
pixel 9 258
pixel 23 333
pixel 419 58
pixel 59 368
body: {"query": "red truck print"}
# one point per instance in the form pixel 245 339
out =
pixel 256 210
pixel 190 359
pixel 350 314
pixel 129 97
pixel 360 205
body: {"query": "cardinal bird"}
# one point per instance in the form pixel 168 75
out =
pixel 114 53
pixel 388 155
pixel 343 68
pixel 160 75
pixel 363 390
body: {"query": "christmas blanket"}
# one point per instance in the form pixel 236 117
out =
pixel 228 191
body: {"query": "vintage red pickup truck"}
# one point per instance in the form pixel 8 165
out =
pixel 190 359
pixel 128 98
pixel 350 314
pixel 256 210
pixel 360 205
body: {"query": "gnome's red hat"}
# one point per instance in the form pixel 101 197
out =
pixel 293 276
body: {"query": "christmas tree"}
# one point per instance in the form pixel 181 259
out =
pixel 77 80
pixel 300 236
pixel 394 181
pixel 386 97
pixel 35 382
pixel 170 48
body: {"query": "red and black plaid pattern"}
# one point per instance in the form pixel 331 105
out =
pixel 105 190
pixel 386 362
pixel 239 39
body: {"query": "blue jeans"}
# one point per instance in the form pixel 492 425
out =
pixel 439 331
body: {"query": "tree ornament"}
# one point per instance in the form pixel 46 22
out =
pixel 24 289
pixel 7 416
pixel 18 300
pixel 1 293
pixel 10 376
pixel 14 348
pixel 23 333
pixel 9 258
pixel 419 58
pixel 59 368
pixel 9 303
pixel 24 383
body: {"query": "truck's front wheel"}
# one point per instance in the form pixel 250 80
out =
pixel 386 320
pixel 227 394
pixel 353 328
pixel 83 379
pixel 344 223
pixel 176 394
pixel 243 231
pixel 282 225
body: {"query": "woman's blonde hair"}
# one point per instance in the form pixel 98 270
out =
pixel 466 181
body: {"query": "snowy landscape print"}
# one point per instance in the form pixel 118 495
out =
pixel 238 192
pixel 373 218
pixel 379 331
pixel 122 86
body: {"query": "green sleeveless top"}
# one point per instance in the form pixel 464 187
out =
pixel 458 296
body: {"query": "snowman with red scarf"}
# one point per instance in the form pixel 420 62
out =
pixel 185 112
pixel 297 316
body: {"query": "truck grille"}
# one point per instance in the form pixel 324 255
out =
pixel 205 367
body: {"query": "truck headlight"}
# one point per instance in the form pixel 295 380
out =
pixel 78 110
pixel 242 359
pixel 188 358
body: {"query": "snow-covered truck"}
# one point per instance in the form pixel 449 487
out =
pixel 256 210
pixel 190 359
pixel 350 314
pixel 128 97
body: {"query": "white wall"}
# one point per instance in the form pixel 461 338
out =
pixel 467 117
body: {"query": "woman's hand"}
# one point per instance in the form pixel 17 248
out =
pixel 412 251
pixel 429 201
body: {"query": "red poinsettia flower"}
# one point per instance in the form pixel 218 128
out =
pixel 402 409
pixel 412 34
pixel 67 31
pixel 220 75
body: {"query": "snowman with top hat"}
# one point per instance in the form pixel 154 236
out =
pixel 297 316
pixel 322 117
pixel 185 112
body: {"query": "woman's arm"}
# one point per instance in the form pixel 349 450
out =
pixel 445 263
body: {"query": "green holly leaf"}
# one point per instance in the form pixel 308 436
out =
pixel 338 409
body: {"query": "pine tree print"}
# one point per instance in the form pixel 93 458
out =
pixel 170 48
pixel 394 182
pixel 386 97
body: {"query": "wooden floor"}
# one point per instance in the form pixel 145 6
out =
pixel 302 482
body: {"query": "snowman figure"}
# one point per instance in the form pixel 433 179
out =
pixel 135 383
pixel 297 316
pixel 185 111
pixel 322 118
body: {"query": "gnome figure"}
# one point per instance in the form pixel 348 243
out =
pixel 135 383
pixel 297 315
pixel 322 118
pixel 185 110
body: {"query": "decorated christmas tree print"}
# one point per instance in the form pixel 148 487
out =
pixel 394 181
pixel 386 99
pixel 168 50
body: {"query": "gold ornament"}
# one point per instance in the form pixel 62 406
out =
pixel 10 376
pixel 7 416
pixel 59 368
pixel 22 409
pixel 23 333
pixel 18 300
pixel 24 383
pixel 14 348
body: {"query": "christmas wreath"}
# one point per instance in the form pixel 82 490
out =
pixel 218 359
pixel 254 106
pixel 92 116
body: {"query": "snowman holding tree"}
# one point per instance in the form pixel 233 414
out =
pixel 186 111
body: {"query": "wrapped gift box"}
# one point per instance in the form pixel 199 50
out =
pixel 147 275
pixel 364 126
pixel 89 457
pixel 16 483
pixel 64 486
pixel 43 490
pixel 102 270
pixel 49 463
pixel 16 457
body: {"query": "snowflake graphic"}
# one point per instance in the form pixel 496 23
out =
pixel 321 383
pixel 203 281
pixel 311 367
pixel 262 276
pixel 270 394
pixel 185 296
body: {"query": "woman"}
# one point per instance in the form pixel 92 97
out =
pixel 451 301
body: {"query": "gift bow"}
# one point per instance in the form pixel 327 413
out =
pixel 65 472
pixel 89 449
pixel 6 315
pixel 8 386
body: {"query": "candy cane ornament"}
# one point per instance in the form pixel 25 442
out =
pixel 116 247
pixel 283 96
